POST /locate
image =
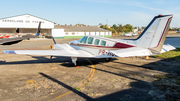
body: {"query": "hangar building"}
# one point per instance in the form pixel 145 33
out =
pixel 27 24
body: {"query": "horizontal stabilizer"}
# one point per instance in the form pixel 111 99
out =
pixel 166 48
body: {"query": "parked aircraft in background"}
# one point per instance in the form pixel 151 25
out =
pixel 5 36
pixel 10 41
pixel 135 34
pixel 150 42
pixel 129 34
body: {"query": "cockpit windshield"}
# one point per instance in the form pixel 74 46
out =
pixel 91 40
pixel 83 39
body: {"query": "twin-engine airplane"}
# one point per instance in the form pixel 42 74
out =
pixel 10 41
pixel 150 42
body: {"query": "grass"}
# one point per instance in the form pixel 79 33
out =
pixel 114 86
pixel 159 77
pixel 77 88
pixel 177 81
pixel 174 55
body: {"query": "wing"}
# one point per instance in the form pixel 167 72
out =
pixel 60 50
pixel 80 53
pixel 10 41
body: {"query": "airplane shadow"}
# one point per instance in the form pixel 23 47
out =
pixel 133 94
pixel 40 59
pixel 65 61
pixel 138 91
pixel 2 62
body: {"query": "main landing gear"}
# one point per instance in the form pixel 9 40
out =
pixel 51 57
pixel 108 59
pixel 75 61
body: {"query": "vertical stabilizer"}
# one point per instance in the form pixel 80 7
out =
pixel 154 35
pixel 38 29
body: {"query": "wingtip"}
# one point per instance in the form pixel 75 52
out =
pixel 4 51
pixel 9 52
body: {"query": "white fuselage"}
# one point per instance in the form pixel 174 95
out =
pixel 100 45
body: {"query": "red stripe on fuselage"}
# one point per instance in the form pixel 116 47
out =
pixel 122 45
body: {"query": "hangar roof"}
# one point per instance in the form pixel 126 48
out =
pixel 80 28
pixel 25 21
pixel 27 14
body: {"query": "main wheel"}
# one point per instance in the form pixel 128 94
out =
pixel 77 63
pixel 108 59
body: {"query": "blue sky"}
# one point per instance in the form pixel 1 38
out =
pixel 92 12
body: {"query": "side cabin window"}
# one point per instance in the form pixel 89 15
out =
pixel 90 40
pixel 83 40
pixel 103 43
pixel 96 42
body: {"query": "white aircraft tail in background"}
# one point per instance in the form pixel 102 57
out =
pixel 150 42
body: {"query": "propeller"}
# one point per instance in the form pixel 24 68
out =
pixel 54 40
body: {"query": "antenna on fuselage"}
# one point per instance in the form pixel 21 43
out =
pixel 52 46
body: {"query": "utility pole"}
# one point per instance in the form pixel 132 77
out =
pixel 106 21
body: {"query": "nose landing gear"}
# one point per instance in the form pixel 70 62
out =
pixel 74 60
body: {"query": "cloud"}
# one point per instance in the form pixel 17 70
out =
pixel 102 1
pixel 121 2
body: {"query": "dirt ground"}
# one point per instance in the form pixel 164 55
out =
pixel 39 78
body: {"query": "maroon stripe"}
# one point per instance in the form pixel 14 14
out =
pixel 117 45
pixel 122 45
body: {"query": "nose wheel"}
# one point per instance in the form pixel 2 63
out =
pixel 74 60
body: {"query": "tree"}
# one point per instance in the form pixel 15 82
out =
pixel 143 27
pixel 127 28
pixel 108 28
pixel 80 25
pixel 115 27
pixel 135 27
pixel 120 29
pixel 100 24
pixel 113 30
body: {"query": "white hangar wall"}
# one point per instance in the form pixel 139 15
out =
pixel 28 24
pixel 59 34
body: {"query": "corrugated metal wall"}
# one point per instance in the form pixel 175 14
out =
pixel 24 30
pixel 7 30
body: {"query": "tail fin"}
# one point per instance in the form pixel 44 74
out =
pixel 38 30
pixel 154 35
